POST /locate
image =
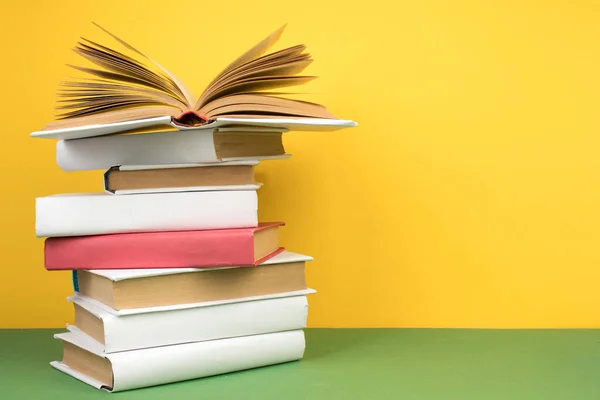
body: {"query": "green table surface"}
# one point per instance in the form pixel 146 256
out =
pixel 354 364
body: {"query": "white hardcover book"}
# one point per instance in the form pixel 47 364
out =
pixel 117 331
pixel 103 213
pixel 115 372
pixel 160 148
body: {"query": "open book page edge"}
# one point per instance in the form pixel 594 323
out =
pixel 292 123
pixel 84 301
pixel 305 124
pixel 261 158
pixel 80 132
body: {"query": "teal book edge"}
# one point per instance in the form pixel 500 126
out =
pixel 75 281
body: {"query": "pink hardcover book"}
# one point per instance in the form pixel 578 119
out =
pixel 184 249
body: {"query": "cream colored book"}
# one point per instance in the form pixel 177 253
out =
pixel 133 179
pixel 131 290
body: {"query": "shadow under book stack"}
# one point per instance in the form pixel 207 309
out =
pixel 174 276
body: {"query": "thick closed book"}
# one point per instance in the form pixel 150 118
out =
pixel 126 370
pixel 165 148
pixel 180 249
pixel 226 175
pixel 104 213
pixel 142 328
pixel 143 288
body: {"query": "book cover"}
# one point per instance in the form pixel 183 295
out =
pixel 163 148
pixel 83 214
pixel 172 249
pixel 225 175
pixel 139 289
pixel 127 370
pixel 162 124
pixel 137 329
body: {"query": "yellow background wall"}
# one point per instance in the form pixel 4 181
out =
pixel 469 196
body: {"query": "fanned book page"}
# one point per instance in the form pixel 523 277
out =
pixel 127 85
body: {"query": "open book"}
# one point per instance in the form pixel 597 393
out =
pixel 134 87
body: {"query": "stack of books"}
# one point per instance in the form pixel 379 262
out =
pixel 172 285
pixel 174 276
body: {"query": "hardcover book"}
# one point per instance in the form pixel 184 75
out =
pixel 165 148
pixel 126 370
pixel 130 179
pixel 116 331
pixel 82 214
pixel 173 249
pixel 144 288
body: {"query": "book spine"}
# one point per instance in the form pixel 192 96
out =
pixel 75 281
pixel 190 249
pixel 167 364
pixel 107 214
pixel 105 177
pixel 183 325
pixel 103 152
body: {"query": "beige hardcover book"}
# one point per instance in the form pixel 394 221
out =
pixel 135 288
pixel 127 179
